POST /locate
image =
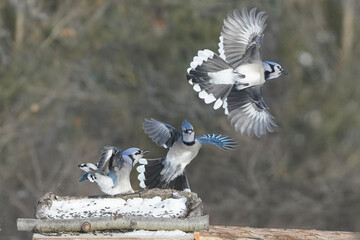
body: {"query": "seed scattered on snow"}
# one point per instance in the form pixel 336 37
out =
pixel 83 208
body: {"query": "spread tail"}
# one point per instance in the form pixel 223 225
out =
pixel 212 77
pixel 150 176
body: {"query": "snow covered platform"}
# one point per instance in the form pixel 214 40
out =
pixel 169 204
pixel 155 209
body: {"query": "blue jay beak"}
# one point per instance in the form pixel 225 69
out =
pixel 283 72
pixel 142 153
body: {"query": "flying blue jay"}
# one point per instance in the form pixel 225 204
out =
pixel 234 79
pixel 169 172
pixel 112 172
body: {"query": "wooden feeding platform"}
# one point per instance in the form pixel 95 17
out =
pixel 151 214
pixel 147 210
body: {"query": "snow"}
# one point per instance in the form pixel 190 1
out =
pixel 104 207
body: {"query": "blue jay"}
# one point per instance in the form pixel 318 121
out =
pixel 169 172
pixel 112 172
pixel 234 79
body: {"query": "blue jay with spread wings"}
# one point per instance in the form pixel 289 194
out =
pixel 112 172
pixel 169 172
pixel 234 79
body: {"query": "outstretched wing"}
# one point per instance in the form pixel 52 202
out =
pixel 223 142
pixel 106 154
pixel 248 112
pixel 241 37
pixel 117 161
pixel 89 169
pixel 162 134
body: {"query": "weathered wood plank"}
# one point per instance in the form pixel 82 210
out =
pixel 226 232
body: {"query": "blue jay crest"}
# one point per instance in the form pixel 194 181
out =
pixel 186 126
pixel 188 135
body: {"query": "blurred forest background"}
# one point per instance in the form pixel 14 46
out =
pixel 78 75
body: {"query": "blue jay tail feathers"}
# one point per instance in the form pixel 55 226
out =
pixel 150 176
pixel 84 177
pixel 212 77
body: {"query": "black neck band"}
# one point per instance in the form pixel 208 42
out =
pixel 189 143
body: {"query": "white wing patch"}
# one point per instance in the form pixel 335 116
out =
pixel 142 184
pixel 143 161
pixel 208 98
pixel 225 105
pixel 221 48
pixel 87 167
pixel 141 177
pixel 218 104
pixel 197 88
pixel 140 169
pixel 202 56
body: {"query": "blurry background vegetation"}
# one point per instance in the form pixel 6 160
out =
pixel 78 75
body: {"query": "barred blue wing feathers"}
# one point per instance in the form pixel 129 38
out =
pixel 223 142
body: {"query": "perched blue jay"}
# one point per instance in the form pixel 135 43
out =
pixel 169 172
pixel 234 80
pixel 112 172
